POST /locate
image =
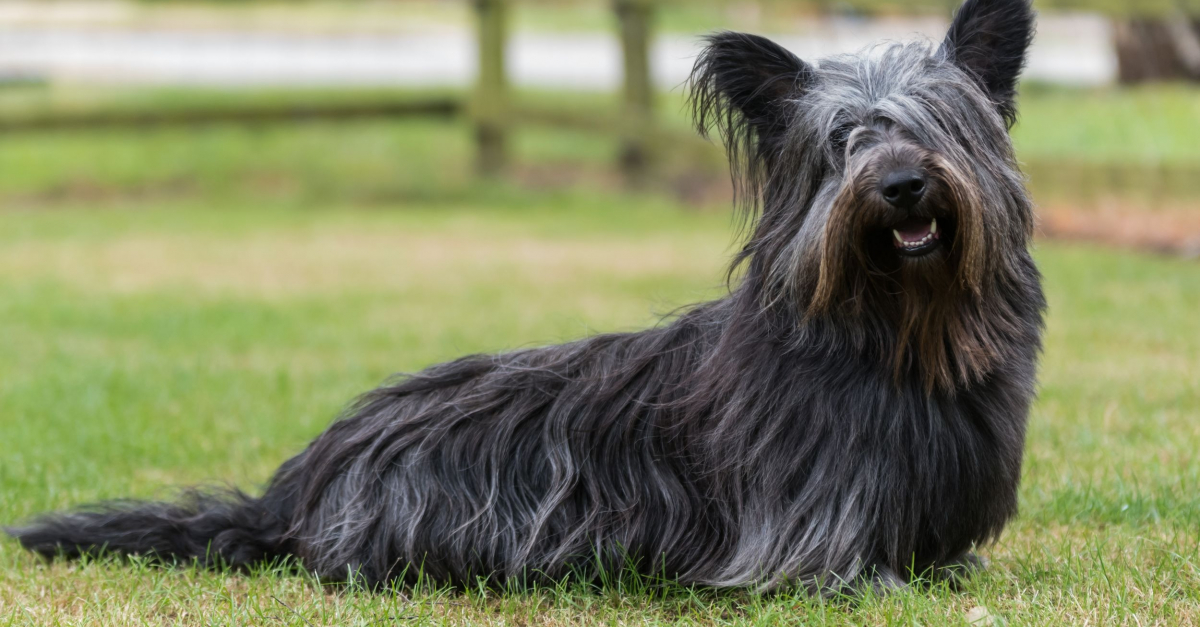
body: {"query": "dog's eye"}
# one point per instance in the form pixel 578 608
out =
pixel 841 137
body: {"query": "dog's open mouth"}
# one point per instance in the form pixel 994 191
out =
pixel 915 237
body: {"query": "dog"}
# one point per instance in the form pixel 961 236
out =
pixel 850 415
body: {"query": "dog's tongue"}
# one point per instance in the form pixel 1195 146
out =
pixel 914 229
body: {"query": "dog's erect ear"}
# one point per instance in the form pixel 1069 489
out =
pixel 746 76
pixel 740 85
pixel 989 40
pixel 741 81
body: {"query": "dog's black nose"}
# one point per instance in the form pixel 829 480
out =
pixel 903 189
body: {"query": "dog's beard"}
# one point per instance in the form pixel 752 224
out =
pixel 930 304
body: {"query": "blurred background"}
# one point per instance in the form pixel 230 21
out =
pixel 220 221
pixel 377 100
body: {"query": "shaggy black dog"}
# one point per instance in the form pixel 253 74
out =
pixel 852 413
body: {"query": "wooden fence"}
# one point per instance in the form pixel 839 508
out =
pixel 440 106
pixel 490 107
pixel 493 111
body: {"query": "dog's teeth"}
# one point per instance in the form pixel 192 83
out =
pixel 933 227
pixel 899 238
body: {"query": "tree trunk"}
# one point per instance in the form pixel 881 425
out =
pixel 1158 49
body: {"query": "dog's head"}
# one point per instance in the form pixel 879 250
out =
pixel 891 203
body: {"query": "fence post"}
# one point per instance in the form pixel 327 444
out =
pixel 490 108
pixel 638 115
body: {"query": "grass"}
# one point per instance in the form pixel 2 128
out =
pixel 154 346
pixel 192 305
pixel 1144 126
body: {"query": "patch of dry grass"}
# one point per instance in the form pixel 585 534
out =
pixel 335 260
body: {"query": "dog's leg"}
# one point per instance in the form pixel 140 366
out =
pixel 884 580
pixel 960 569
pixel 874 580
pixel 877 580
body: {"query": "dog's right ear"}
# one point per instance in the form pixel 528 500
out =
pixel 741 82
pixel 741 85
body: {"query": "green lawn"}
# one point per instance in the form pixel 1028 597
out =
pixel 192 305
pixel 153 345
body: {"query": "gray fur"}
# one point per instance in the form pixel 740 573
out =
pixel 842 417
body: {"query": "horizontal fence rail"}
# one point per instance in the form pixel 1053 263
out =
pixel 131 118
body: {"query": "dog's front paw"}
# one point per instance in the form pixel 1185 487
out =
pixel 961 569
pixel 877 580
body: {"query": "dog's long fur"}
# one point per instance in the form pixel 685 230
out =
pixel 842 415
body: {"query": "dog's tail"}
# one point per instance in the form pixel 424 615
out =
pixel 213 528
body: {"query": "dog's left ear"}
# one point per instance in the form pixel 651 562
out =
pixel 989 39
